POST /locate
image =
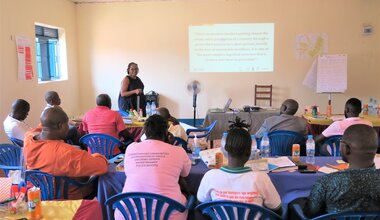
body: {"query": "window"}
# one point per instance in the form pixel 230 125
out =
pixel 49 55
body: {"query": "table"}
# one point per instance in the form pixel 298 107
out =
pixel 315 126
pixel 290 185
pixel 136 129
pixel 67 209
pixel 256 119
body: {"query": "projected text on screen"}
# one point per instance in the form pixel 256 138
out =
pixel 231 47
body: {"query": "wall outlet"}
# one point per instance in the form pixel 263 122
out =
pixel 367 29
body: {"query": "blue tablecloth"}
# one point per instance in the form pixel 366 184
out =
pixel 290 185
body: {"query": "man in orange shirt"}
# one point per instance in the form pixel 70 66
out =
pixel 45 150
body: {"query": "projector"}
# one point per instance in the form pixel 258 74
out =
pixel 248 108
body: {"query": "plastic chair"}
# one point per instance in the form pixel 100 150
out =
pixel 334 143
pixel 53 187
pixel 17 142
pixel 229 210
pixel 281 142
pixel 206 131
pixel 134 205
pixel 10 156
pixel 263 92
pixel 123 113
pixel 339 215
pixel 180 142
pixel 100 143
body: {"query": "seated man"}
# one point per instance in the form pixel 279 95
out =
pixel 52 100
pixel 103 120
pixel 358 187
pixel 285 121
pixel 155 166
pixel 352 110
pixel 174 127
pixel 14 125
pixel 46 151
pixel 236 182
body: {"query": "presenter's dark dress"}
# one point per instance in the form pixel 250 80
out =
pixel 130 102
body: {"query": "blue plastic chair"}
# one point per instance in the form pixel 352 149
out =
pixel 134 205
pixel 123 113
pixel 17 142
pixel 339 215
pixel 229 210
pixel 53 187
pixel 281 142
pixel 100 143
pixel 333 142
pixel 10 156
pixel 180 142
pixel 206 131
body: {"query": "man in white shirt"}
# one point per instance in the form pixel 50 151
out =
pixel 14 125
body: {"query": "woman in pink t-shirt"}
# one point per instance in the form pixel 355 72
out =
pixel 155 166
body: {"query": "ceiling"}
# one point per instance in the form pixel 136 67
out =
pixel 108 1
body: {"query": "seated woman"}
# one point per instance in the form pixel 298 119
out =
pixel 155 166
pixel 236 182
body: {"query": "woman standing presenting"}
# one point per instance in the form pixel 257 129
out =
pixel 131 88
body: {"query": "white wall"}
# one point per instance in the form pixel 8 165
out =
pixel 154 34
pixel 17 17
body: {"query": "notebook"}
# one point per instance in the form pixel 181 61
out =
pixel 222 110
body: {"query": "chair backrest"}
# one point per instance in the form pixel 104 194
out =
pixel 10 156
pixel 281 142
pixel 263 92
pixel 338 215
pixel 229 210
pixel 17 142
pixel 52 187
pixel 134 205
pixel 206 131
pixel 180 142
pixel 331 143
pixel 123 113
pixel 100 143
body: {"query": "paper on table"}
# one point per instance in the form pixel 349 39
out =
pixel 327 170
pixel 208 156
pixel 5 189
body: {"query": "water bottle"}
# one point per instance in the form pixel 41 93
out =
pixel 148 109
pixel 265 148
pixel 374 107
pixel 196 149
pixel 310 150
pixel 370 108
pixel 223 145
pixel 153 108
pixel 254 152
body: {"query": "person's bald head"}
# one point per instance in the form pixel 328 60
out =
pixel 55 120
pixel 352 108
pixel 103 100
pixel 20 109
pixel 164 112
pixel 289 107
pixel 359 144
pixel 52 98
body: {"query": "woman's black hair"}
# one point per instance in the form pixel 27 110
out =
pixel 238 142
pixel 156 127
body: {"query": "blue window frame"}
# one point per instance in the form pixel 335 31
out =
pixel 47 53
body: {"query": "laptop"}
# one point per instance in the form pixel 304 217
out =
pixel 222 110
